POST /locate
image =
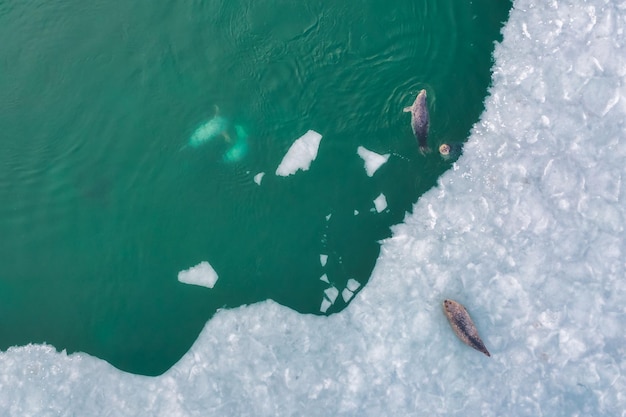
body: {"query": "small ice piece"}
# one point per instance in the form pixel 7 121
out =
pixel 356 212
pixel 325 305
pixel 300 155
pixel 380 203
pixel 328 216
pixel 346 294
pixel 202 274
pixel 325 279
pixel 323 259
pixel 258 177
pixel 331 293
pixel 373 161
pixel 353 284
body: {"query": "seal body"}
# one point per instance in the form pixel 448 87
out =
pixel 463 325
pixel 208 131
pixel 420 120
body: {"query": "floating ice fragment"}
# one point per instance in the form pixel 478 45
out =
pixel 258 177
pixel 346 294
pixel 353 284
pixel 373 161
pixel 380 203
pixel 325 305
pixel 331 293
pixel 356 212
pixel 325 279
pixel 300 155
pixel 202 274
pixel 328 216
pixel 323 259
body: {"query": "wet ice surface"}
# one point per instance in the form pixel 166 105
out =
pixel 527 231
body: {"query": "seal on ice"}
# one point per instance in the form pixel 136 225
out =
pixel 420 119
pixel 463 325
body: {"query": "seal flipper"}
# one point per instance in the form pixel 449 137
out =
pixel 407 109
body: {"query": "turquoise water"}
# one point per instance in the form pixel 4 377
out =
pixel 101 208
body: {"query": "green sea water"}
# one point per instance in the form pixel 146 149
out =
pixel 100 208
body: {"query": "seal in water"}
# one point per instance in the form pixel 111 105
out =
pixel 450 150
pixel 207 131
pixel 444 150
pixel 463 325
pixel 420 119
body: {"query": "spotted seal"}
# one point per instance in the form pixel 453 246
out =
pixel 463 325
pixel 420 120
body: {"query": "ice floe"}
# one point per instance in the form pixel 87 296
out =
pixel 372 160
pixel 300 155
pixel 202 274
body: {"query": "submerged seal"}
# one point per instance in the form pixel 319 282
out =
pixel 420 120
pixel 463 325
pixel 209 130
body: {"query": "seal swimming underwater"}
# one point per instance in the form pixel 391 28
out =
pixel 463 325
pixel 239 149
pixel 420 120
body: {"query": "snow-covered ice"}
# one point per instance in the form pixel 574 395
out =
pixel 300 155
pixel 380 203
pixel 529 236
pixel 372 160
pixel 202 274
